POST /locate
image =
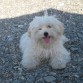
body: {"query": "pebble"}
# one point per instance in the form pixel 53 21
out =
pixel 76 76
pixel 22 77
pixel 40 81
pixel 16 81
pixel 32 78
pixel 20 26
pixel 74 49
pixel 29 80
pixel 9 38
pixel 49 79
pixel 53 73
pixel 2 61
pixel 80 35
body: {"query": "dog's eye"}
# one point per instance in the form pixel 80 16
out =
pixel 49 26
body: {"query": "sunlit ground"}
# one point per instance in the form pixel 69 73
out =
pixel 14 8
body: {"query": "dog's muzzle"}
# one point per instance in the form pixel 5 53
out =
pixel 46 34
pixel 46 37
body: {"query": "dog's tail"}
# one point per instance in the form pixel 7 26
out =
pixel 45 13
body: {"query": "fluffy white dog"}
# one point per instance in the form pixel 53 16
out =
pixel 44 39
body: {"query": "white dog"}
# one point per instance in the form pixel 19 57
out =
pixel 44 39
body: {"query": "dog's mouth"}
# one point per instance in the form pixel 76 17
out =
pixel 46 39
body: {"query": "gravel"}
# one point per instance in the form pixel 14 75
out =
pixel 49 79
pixel 11 71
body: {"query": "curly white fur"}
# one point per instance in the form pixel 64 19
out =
pixel 34 48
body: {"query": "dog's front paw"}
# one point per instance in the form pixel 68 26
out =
pixel 57 65
pixel 29 64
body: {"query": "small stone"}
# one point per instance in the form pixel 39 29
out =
pixel 25 23
pixel 20 71
pixel 2 61
pixel 74 49
pixel 82 32
pixel 39 80
pixel 15 81
pixel 49 79
pixel 22 77
pixel 28 80
pixel 80 35
pixel 32 78
pixel 53 73
pixel 20 26
pixel 9 38
pixel 77 76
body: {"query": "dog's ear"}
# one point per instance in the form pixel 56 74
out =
pixel 61 28
pixel 58 25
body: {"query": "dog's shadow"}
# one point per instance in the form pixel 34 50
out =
pixel 12 29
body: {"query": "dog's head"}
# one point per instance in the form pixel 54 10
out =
pixel 45 29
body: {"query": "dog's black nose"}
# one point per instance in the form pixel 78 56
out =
pixel 45 34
